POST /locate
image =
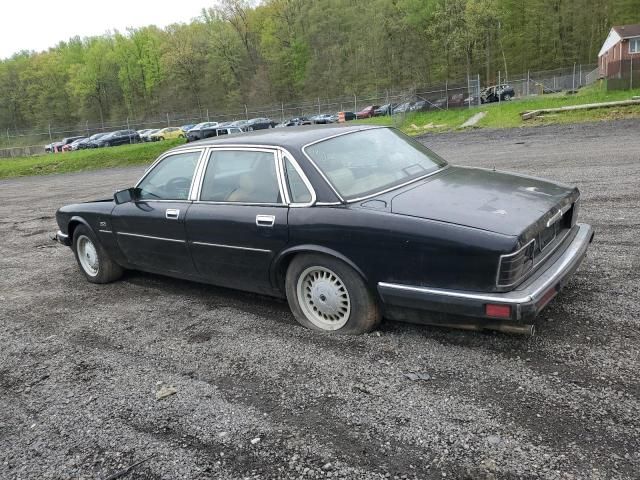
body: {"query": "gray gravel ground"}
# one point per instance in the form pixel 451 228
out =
pixel 260 397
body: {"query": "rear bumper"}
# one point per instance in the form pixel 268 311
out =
pixel 525 302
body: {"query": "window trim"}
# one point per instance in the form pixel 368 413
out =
pixel 287 157
pixel 637 41
pixel 205 163
pixel 163 157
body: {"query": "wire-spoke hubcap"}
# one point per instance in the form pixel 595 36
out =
pixel 323 297
pixel 88 255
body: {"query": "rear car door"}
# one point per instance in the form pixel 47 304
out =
pixel 151 230
pixel 239 222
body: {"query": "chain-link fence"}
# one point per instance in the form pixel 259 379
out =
pixel 459 94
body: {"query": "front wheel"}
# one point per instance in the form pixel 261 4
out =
pixel 506 97
pixel 93 259
pixel 327 295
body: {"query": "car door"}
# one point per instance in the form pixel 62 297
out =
pixel 151 230
pixel 239 222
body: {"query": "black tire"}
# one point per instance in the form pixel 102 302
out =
pixel 360 312
pixel 506 97
pixel 107 269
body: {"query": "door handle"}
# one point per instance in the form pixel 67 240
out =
pixel 265 220
pixel 172 213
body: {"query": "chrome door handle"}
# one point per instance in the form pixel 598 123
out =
pixel 172 213
pixel 265 220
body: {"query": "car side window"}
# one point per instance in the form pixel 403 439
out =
pixel 297 188
pixel 171 178
pixel 242 176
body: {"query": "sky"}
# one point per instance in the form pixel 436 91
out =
pixel 41 24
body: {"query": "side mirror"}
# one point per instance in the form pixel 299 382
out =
pixel 126 196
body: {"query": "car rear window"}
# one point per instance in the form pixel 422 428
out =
pixel 365 162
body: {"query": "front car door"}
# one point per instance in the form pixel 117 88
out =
pixel 239 221
pixel 151 230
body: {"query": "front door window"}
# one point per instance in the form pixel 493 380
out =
pixel 170 179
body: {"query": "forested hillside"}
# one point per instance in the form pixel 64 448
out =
pixel 242 52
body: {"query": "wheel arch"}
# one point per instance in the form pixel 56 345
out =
pixel 283 259
pixel 73 224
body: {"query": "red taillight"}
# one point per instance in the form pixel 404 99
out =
pixel 497 311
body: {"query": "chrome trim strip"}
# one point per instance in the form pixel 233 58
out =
pixel 513 254
pixel 286 156
pixel 105 231
pixel 575 251
pixel 150 237
pixel 234 247
pixel 371 195
pixel 207 158
pixel 168 154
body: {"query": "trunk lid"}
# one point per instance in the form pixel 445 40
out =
pixel 500 202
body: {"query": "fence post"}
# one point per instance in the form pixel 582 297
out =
pixel 208 115
pixel 446 92
pixel 528 81
pixel 50 139
pixel 355 103
pixel 580 76
pixel 318 105
pixel 168 124
pixel 573 77
pixel 479 102
pixel 631 74
pixel 246 111
pixel 498 85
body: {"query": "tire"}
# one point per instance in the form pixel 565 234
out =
pixel 506 97
pixel 92 258
pixel 181 136
pixel 161 139
pixel 327 295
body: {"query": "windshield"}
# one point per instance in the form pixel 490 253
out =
pixel 369 161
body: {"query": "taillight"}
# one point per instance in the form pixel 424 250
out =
pixel 497 311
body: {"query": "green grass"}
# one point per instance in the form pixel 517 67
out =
pixel 83 160
pixel 507 114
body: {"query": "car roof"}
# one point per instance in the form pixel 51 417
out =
pixel 293 138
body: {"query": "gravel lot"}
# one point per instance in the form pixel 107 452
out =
pixel 260 397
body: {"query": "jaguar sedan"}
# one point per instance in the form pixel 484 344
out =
pixel 350 224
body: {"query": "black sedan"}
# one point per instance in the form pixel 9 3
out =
pixel 120 137
pixel 258 124
pixel 350 224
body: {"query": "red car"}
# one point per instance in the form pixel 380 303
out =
pixel 367 112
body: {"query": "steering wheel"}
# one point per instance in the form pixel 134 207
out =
pixel 176 184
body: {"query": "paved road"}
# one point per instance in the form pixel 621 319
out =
pixel 80 363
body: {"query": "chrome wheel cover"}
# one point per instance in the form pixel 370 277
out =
pixel 88 255
pixel 323 298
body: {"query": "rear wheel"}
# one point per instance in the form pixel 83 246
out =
pixel 93 259
pixel 327 295
pixel 507 97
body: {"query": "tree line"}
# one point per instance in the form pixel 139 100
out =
pixel 245 52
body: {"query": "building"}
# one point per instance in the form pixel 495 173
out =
pixel 621 48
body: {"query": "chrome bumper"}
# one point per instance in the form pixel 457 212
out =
pixel 63 238
pixel 526 301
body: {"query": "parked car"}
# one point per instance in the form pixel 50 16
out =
pixel 296 121
pixel 348 116
pixel 88 142
pixel 144 131
pixel 410 237
pixel 258 124
pixel 73 145
pixel 119 137
pixel 168 133
pixel 146 137
pixel 229 130
pixel 456 100
pixel 187 127
pixel 198 131
pixel 421 106
pixel 367 112
pixel 57 146
pixel 403 108
pixel 324 118
pixel 496 93
pixel 386 109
